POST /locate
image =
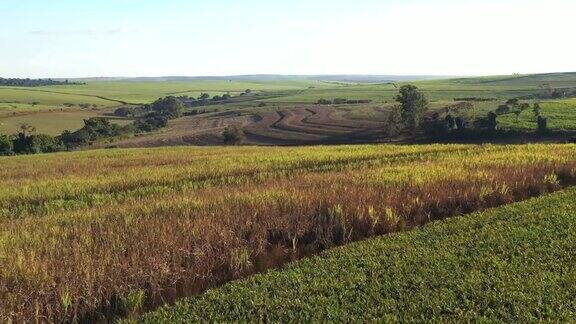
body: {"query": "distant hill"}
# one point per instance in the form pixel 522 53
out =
pixel 520 79
pixel 517 79
pixel 272 77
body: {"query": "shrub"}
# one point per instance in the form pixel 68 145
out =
pixel 6 146
pixel 170 107
pixel 33 144
pixel 151 123
pixel 233 135
pixel 324 102
pixel 503 109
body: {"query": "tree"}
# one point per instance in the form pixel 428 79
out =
pixel 394 123
pixel 542 124
pixel 233 135
pixel 488 123
pixel 204 96
pixel 537 110
pixel 450 122
pixel 512 102
pixel 170 107
pixel 6 146
pixel 503 109
pixel 33 144
pixel 460 124
pixel 26 129
pixel 492 121
pixel 413 104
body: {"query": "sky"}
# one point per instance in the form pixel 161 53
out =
pixel 92 38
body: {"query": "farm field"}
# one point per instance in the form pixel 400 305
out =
pixel 104 233
pixel 111 93
pixel 509 264
pixel 306 124
pixel 53 122
pixel 286 101
pixel 561 115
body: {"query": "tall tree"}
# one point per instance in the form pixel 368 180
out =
pixel 170 107
pixel 414 105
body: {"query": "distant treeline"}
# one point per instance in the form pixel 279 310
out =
pixel 34 82
pixel 204 99
pixel 475 99
pixel 342 101
pixel 453 123
pixel 552 93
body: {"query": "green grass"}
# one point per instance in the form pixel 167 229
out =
pixel 146 92
pixel 51 123
pixel 436 90
pixel 112 93
pixel 23 99
pixel 511 264
pixel 561 116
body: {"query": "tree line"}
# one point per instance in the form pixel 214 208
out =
pixel 413 114
pixel 35 82
pixel 27 141
pixel 342 101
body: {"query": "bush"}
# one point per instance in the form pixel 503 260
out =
pixel 489 123
pixel 33 144
pixel 94 129
pixel 503 109
pixel 233 135
pixel 6 146
pixel 171 107
pixel 151 123
pixel 324 102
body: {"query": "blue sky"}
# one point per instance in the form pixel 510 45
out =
pixel 71 38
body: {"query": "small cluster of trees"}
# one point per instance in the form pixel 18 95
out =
pixel 514 106
pixel 233 135
pixel 205 100
pixel 27 142
pixel 553 93
pixel 476 99
pixel 413 116
pixel 150 118
pixel 35 82
pixel 342 101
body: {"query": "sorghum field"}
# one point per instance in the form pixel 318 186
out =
pixel 514 263
pixel 97 234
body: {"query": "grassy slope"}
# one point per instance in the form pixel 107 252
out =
pixel 138 92
pixel 561 116
pixel 52 122
pixel 513 263
pixel 439 90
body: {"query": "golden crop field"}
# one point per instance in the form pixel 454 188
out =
pixel 88 235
